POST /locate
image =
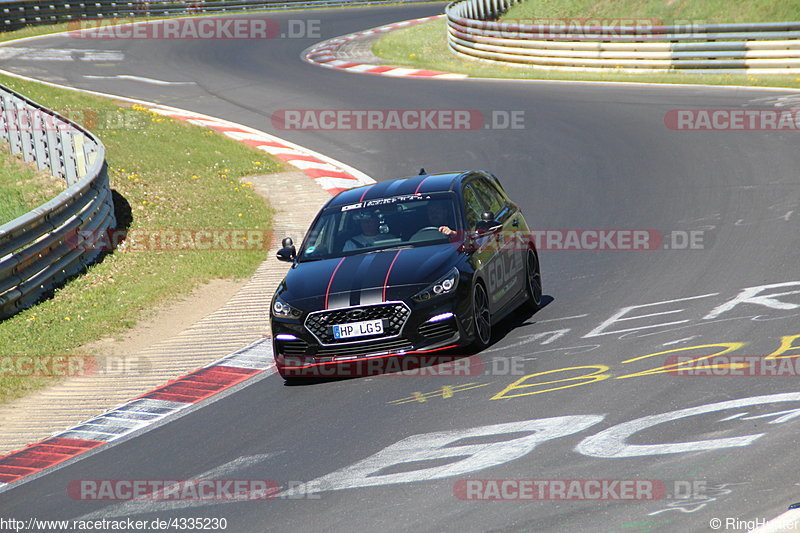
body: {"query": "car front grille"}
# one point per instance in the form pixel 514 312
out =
pixel 393 315
pixel 394 345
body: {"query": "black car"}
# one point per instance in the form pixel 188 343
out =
pixel 403 267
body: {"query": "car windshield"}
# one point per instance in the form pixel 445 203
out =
pixel 399 221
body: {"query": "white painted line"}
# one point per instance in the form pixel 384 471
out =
pixel 59 54
pixel 304 165
pixel 788 521
pixel 150 405
pixel 274 150
pixel 200 122
pixel 562 318
pixel 142 79
pixel 362 68
pixel 451 76
pixel 335 183
pixel 247 136
pixel 337 62
pixel 399 72
pixel 685 339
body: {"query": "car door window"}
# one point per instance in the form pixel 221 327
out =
pixel 472 207
pixel 490 197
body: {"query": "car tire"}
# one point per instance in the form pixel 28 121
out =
pixel 533 281
pixel 481 317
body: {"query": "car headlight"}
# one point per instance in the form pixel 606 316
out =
pixel 444 285
pixel 281 309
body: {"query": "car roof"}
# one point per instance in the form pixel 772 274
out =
pixel 424 183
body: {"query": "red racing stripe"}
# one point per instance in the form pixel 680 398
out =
pixel 365 193
pixel 420 184
pixel 330 282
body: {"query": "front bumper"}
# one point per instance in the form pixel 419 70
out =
pixel 299 352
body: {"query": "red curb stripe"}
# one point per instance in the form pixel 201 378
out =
pixel 426 73
pixel 381 70
pixel 201 384
pixel 319 173
pixel 222 128
pixel 42 455
pixel 294 157
pixel 347 65
pixel 257 143
pixel 334 192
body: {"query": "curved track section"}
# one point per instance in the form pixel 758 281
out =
pixel 398 452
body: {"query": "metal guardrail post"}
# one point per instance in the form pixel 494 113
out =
pixel 68 156
pixel 12 115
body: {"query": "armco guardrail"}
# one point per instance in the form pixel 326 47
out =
pixel 24 13
pixel 766 48
pixel 39 250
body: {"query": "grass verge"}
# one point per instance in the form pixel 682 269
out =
pixel 425 46
pixel 22 187
pixel 166 175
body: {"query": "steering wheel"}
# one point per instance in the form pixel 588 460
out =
pixel 426 228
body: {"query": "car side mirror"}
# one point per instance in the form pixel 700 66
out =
pixel 288 253
pixel 487 224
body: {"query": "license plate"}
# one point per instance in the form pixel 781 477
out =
pixel 358 329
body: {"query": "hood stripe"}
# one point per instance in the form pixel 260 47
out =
pixel 330 282
pixel 359 277
pixel 386 280
pixel 420 184
pixel 365 193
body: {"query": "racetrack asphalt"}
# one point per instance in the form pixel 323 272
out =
pixel 587 157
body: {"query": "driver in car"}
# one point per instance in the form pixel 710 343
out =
pixel 370 232
pixel 438 217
